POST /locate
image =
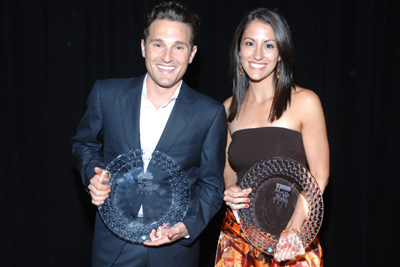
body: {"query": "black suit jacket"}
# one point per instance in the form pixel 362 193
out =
pixel 194 136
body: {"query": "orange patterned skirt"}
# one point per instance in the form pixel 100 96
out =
pixel 233 250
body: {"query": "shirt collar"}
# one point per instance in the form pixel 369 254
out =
pixel 174 97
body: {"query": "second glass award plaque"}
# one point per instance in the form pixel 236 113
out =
pixel 282 188
pixel 148 190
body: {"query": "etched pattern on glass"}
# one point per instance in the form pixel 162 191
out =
pixel 277 184
pixel 142 199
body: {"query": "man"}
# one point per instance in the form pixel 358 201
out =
pixel 160 112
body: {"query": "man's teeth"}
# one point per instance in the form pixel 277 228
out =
pixel 166 67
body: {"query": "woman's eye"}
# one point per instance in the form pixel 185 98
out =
pixel 269 46
pixel 249 43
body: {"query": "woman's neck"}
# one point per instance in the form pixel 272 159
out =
pixel 261 91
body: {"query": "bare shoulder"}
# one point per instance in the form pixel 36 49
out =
pixel 227 104
pixel 305 99
pixel 307 107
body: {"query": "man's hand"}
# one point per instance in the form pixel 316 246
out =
pixel 164 236
pixel 98 187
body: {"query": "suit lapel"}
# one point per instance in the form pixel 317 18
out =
pixel 178 120
pixel 130 113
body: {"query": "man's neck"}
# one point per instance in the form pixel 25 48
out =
pixel 158 95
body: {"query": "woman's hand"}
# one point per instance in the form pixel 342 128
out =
pixel 289 246
pixel 236 198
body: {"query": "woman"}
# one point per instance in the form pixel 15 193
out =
pixel 268 115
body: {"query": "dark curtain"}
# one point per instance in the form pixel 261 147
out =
pixel 51 53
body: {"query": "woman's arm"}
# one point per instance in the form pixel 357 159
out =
pixel 308 108
pixel 234 197
pixel 315 138
pixel 313 129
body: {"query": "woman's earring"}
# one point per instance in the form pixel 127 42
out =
pixel 278 70
pixel 241 70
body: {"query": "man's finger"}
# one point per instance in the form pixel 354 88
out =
pixel 157 242
pixel 174 233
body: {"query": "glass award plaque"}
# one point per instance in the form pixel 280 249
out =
pixel 148 189
pixel 282 188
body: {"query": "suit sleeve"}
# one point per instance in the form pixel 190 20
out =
pixel 87 144
pixel 208 197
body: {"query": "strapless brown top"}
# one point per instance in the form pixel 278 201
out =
pixel 252 145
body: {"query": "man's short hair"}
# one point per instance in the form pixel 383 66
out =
pixel 174 12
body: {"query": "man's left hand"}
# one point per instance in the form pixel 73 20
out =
pixel 165 236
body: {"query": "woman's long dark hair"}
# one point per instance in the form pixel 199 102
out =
pixel 283 85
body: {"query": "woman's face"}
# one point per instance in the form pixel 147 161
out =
pixel 258 51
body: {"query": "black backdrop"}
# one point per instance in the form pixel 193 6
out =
pixel 51 53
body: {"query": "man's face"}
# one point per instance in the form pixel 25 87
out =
pixel 167 53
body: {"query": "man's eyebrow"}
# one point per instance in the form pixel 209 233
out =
pixel 182 43
pixel 156 40
pixel 162 41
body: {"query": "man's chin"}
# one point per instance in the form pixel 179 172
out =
pixel 167 84
pixel 163 81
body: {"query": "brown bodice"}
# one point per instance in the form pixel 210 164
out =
pixel 252 145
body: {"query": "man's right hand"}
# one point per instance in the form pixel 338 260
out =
pixel 99 187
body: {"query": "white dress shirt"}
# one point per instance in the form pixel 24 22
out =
pixel 152 120
pixel 152 124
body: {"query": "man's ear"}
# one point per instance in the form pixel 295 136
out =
pixel 143 47
pixel 192 54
